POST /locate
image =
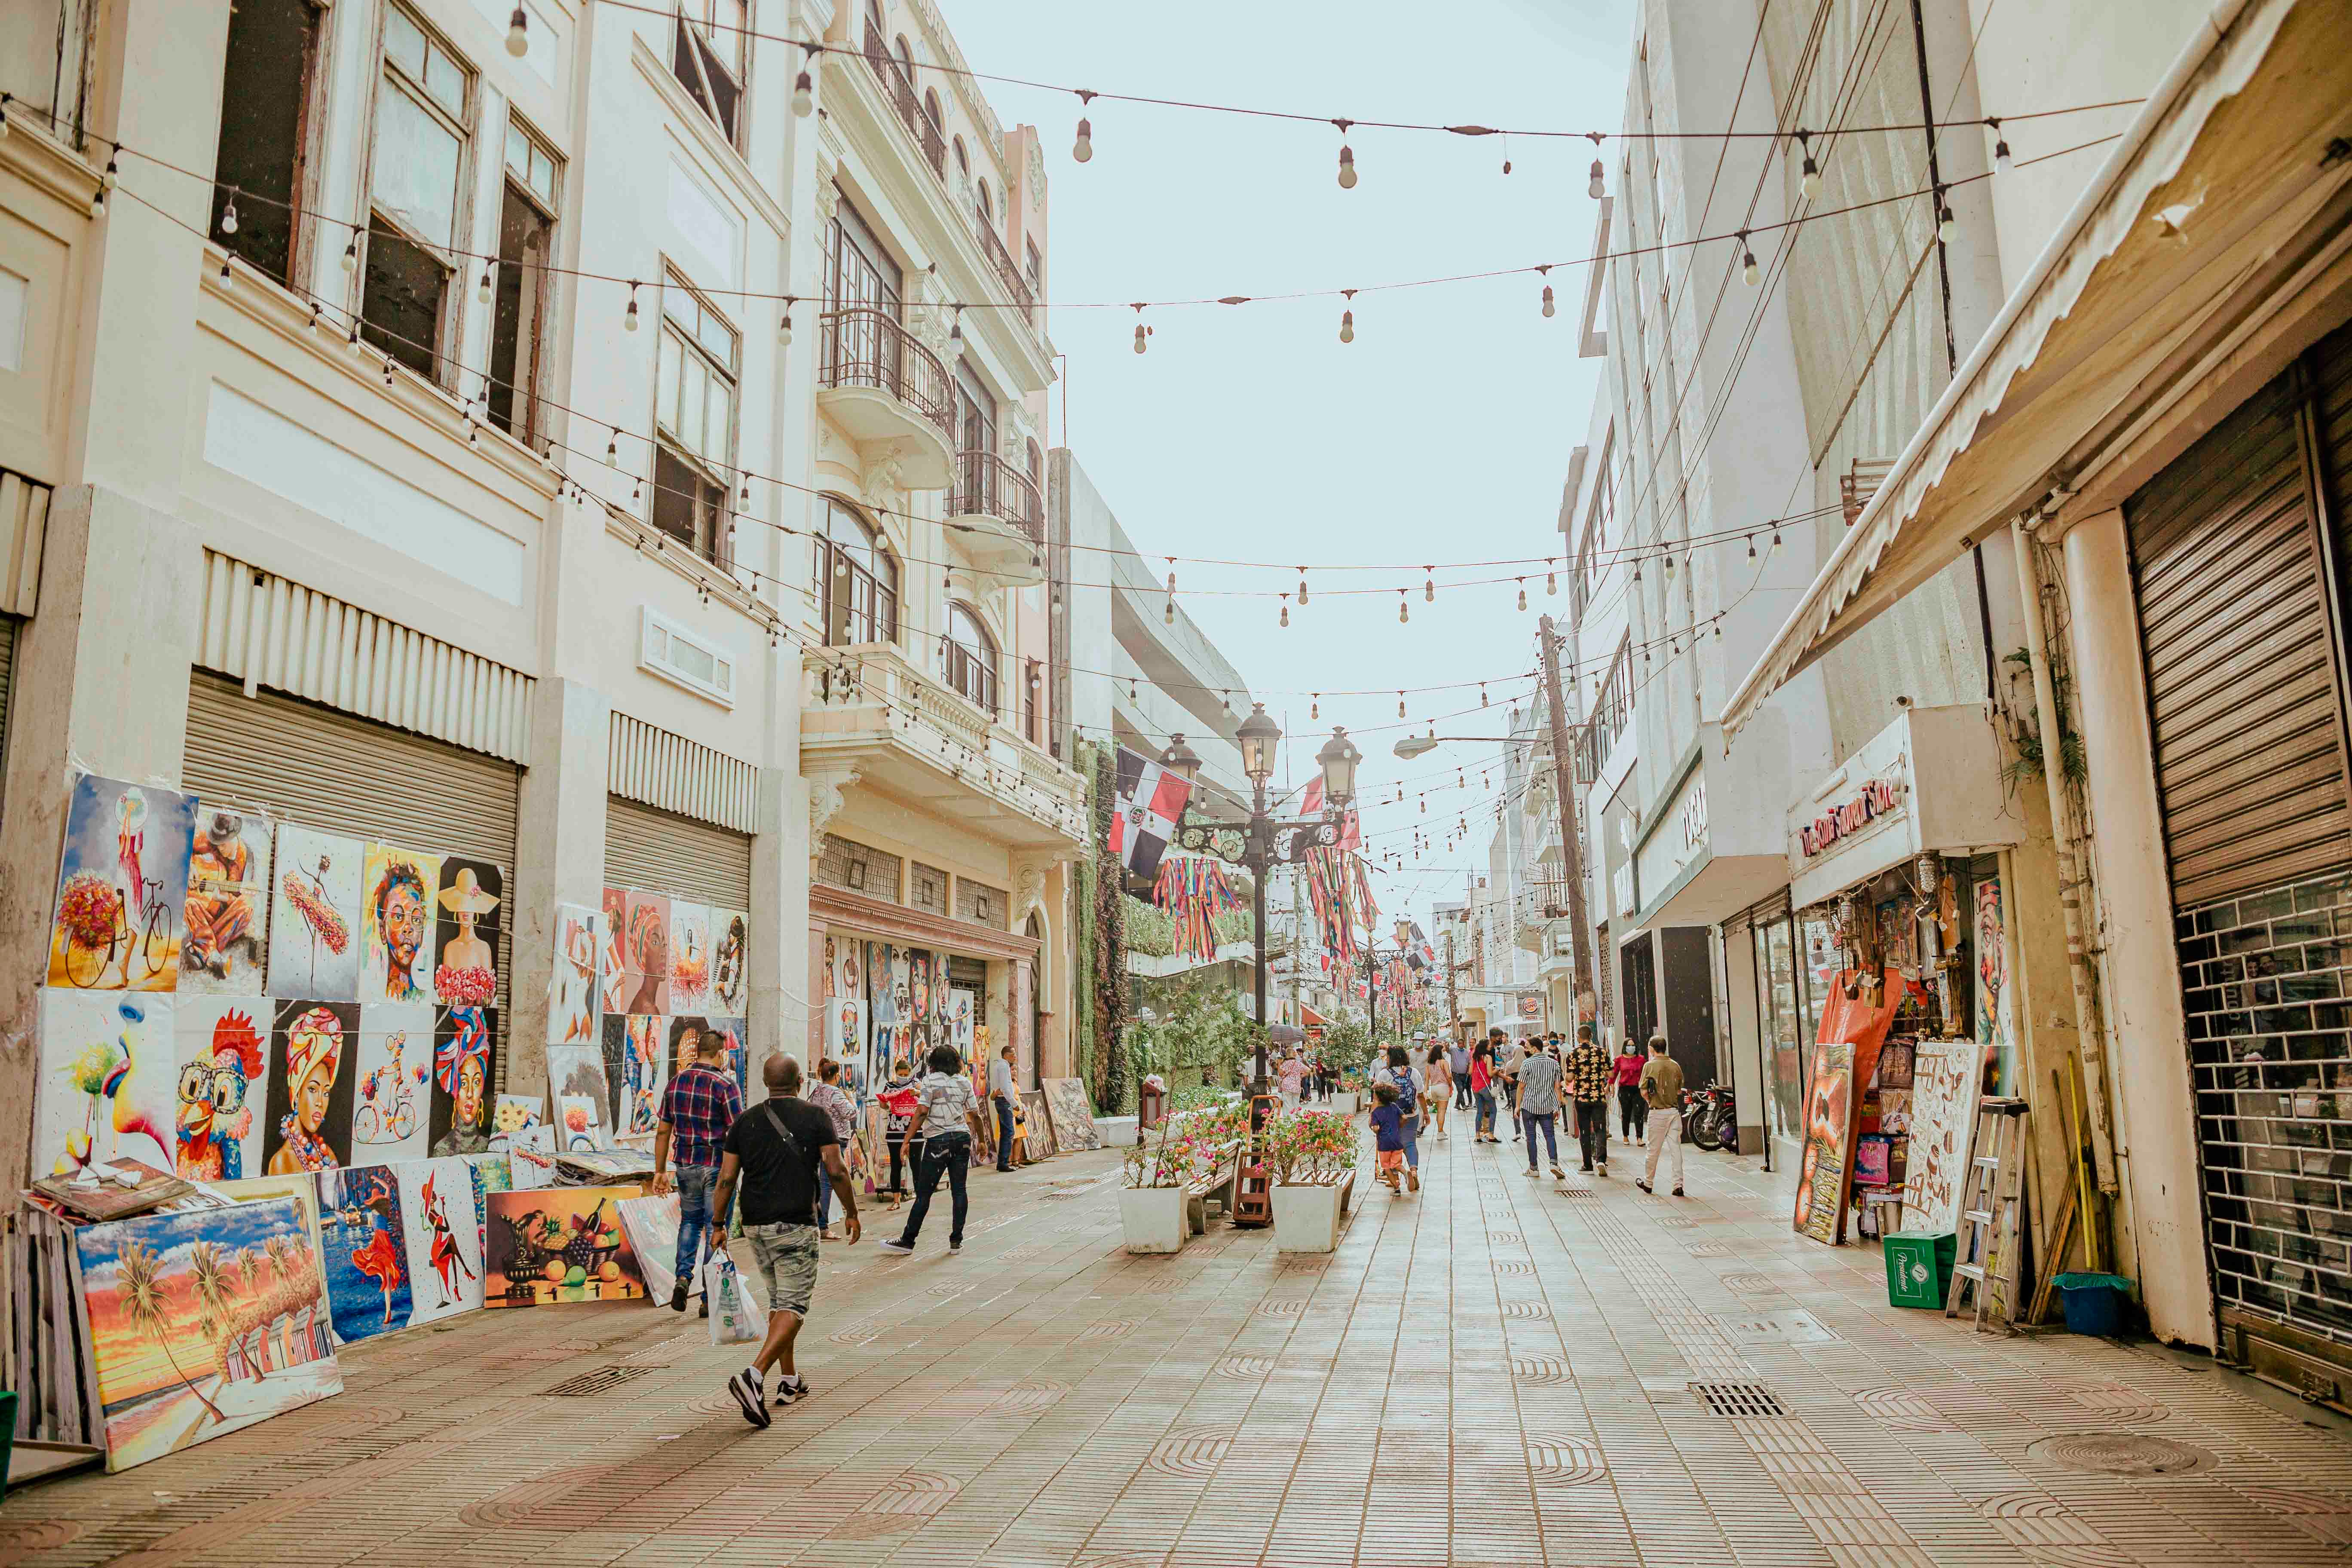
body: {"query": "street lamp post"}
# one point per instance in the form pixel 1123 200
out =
pixel 1264 843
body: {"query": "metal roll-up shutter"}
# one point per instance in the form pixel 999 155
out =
pixel 662 852
pixel 322 769
pixel 2242 675
pixel 7 668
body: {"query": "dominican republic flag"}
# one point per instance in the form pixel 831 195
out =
pixel 1150 803
pixel 1417 951
pixel 1310 803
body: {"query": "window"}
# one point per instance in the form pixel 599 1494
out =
pixel 931 109
pixel 266 100
pixel 708 59
pixel 858 580
pixel 971 657
pixel 676 654
pixel 1598 521
pixel 417 175
pixel 1033 269
pixel 963 159
pixel 858 269
pixel 694 416
pixel 519 304
pixel 975 412
pixel 1031 698
pixel 983 205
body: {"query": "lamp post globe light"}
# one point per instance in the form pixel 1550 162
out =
pixel 1265 843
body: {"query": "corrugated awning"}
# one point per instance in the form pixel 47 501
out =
pixel 2221 195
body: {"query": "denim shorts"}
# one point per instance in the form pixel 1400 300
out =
pixel 786 1255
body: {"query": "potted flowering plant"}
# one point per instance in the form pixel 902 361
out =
pixel 1311 1155
pixel 1152 1199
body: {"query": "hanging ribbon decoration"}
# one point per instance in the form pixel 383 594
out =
pixel 1194 890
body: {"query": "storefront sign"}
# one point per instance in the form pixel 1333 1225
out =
pixel 1531 1007
pixel 1677 837
pixel 1878 798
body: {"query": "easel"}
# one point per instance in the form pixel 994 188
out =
pixel 1992 1214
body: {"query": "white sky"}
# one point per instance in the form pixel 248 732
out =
pixel 1441 433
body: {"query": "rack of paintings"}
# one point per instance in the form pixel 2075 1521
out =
pixel 667 973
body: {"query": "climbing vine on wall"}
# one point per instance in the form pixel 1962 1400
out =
pixel 1108 1009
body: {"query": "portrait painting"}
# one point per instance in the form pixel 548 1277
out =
pixel 643 1075
pixel 106 1086
pixel 845 1028
pixel 689 956
pixel 465 1066
pixel 122 887
pixel 616 1052
pixel 388 1073
pixel 314 915
pixel 200 1323
pixel 848 961
pixel 574 999
pixel 559 1245
pixel 647 982
pixel 731 960
pixel 397 888
pixel 363 1243
pixel 307 1125
pixel 877 982
pixel 467 914
pixel 1828 1158
pixel 444 1238
pixel 226 913
pixel 614 963
pixel 219 1059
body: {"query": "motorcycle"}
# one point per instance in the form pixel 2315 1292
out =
pixel 1710 1117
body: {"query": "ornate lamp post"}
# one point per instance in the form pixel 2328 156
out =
pixel 1256 845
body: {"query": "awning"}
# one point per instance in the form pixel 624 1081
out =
pixel 2222 204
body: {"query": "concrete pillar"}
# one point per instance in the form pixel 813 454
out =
pixel 100 685
pixel 784 952
pixel 1751 1072
pixel 559 857
pixel 2155 1125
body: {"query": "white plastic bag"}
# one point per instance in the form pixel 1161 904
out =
pixel 738 1316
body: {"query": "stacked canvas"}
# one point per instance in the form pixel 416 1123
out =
pixel 667 972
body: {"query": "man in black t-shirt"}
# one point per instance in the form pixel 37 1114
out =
pixel 776 1149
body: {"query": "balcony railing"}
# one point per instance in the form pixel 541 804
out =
pixel 865 345
pixel 988 486
pixel 899 87
pixel 1017 288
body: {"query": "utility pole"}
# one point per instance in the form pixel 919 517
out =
pixel 1564 788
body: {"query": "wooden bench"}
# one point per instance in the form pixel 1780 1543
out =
pixel 1224 1173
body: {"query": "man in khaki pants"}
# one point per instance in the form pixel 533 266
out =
pixel 1662 1092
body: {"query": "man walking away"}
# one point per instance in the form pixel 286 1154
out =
pixel 1661 1089
pixel 778 1149
pixel 946 1121
pixel 1631 1112
pixel 696 1108
pixel 1457 1058
pixel 830 1097
pixel 1001 1095
pixel 1539 1104
pixel 1507 1077
pixel 1589 1075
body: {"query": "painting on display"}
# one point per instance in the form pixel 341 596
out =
pixel 961 1014
pixel 845 1029
pixel 903 1014
pixel 579 1123
pixel 1036 1126
pixel 465 1047
pixel 1828 1142
pixel 559 1245
pixel 647 982
pixel 637 1083
pixel 227 906
pixel 314 915
pixel 730 960
pixel 1073 1113
pixel 444 1238
pixel 396 892
pixel 122 887
pixel 1993 1021
pixel 651 1225
pixel 1945 1076
pixel 574 999
pixel 881 1015
pixel 219 1060
pixel 689 956
pixel 107 1088
pixel 307 1124
pixel 489 1173
pixel 202 1323
pixel 613 966
pixel 580 1069
pixel 465 932
pixel 734 1053
pixel 387 1070
pixel 530 1159
pixel 513 1113
pixel 363 1239
pixel 919 1002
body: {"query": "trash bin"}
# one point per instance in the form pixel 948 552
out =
pixel 2094 1303
pixel 1150 1107
pixel 1919 1267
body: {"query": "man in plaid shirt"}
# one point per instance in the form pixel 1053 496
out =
pixel 1588 1070
pixel 696 1108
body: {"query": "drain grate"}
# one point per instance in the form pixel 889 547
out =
pixel 1738 1398
pixel 602 1380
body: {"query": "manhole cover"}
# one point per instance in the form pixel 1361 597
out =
pixel 602 1380
pixel 1795 1327
pixel 2122 1454
pixel 1738 1398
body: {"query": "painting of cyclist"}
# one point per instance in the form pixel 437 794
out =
pixel 461 1078
pixel 122 887
pixel 396 925
pixel 308 1126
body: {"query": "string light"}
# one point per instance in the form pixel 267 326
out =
pixel 1593 187
pixel 1482 694
pixel 1286 609
pixel 1403 615
pixel 1429 589
pixel 1399 714
pixel 1302 587
pixel 1751 547
pixel 113 174
pixel 2001 158
pixel 482 290
pixel 1141 331
pixel 98 201
pixel 1551 581
pixel 1808 178
pixel 1549 310
pixel 804 87
pixel 352 254
pixel 1315 710
pixel 1348 317
pixel 228 213
pixel 1750 273
pixel 784 327
pixel 518 33
pixel 1083 150
pixel 629 320
pixel 1946 227
pixel 5 100
pixel 1523 592
pixel 1346 157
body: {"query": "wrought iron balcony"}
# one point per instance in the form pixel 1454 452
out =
pixel 899 87
pixel 997 520
pixel 1008 273
pixel 889 392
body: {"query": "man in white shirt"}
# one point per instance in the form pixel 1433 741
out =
pixel 1002 1096
pixel 947 1119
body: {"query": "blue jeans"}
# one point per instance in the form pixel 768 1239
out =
pixel 945 1154
pixel 1544 1120
pixel 1413 1142
pixel 695 1230
pixel 1003 1133
pixel 1486 1102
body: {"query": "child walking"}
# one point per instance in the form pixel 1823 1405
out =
pixel 1388 1135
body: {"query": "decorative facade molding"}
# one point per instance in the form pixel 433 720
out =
pixel 827 789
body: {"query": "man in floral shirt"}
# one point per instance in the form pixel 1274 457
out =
pixel 1588 1072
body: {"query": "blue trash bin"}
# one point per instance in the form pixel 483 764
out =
pixel 2094 1303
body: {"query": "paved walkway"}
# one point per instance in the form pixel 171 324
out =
pixel 1500 1371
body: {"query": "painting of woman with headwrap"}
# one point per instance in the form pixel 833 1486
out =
pixel 396 924
pixel 462 1047
pixel 308 1126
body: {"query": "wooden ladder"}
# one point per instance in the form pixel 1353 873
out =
pixel 1992 1205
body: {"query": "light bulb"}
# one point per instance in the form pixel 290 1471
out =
pixel 1948 227
pixel 352 254
pixel 1171 616
pixel 955 332
pixel 1551 583
pixel 1429 591
pixel 804 96
pixel 482 290
pixel 1286 612
pixel 225 280
pixel 1751 547
pixel 1346 326
pixel 1549 308
pixel 1403 614
pixel 1522 594
pixel 1315 711
pixel 1347 167
pixel 98 201
pixel 229 216
pixel 518 33
pixel 1399 714
pixel 629 320
pixel 1083 149
pixel 1302 586
pixel 1594 188
pixel 2001 158
pixel 113 171
pixel 1810 181
pixel 1139 337
pixel 784 330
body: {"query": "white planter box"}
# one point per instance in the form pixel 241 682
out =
pixel 1305 1220
pixel 1345 1102
pixel 1152 1218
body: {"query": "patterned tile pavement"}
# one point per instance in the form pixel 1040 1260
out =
pixel 1499 1371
